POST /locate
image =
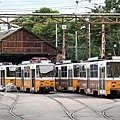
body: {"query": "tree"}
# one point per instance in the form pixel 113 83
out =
pixel 112 31
pixel 47 31
pixel 112 6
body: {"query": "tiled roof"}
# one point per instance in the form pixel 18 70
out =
pixel 6 33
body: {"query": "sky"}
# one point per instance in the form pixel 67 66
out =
pixel 63 6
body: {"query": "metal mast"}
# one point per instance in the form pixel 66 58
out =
pixel 103 39
pixel 63 43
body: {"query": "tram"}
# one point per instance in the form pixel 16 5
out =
pixel 103 77
pixel 94 76
pixel 35 77
pixel 67 76
pixel 7 73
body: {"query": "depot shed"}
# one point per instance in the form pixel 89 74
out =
pixel 20 44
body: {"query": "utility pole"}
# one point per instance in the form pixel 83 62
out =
pixel 103 39
pixel 63 43
pixel 88 40
pixel 76 45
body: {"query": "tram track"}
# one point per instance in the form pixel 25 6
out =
pixel 64 108
pixel 71 115
pixel 101 114
pixel 11 107
pixel 73 111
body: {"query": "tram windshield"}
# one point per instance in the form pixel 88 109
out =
pixel 113 69
pixel 10 71
pixel 45 71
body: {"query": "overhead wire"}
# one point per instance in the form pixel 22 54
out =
pixel 38 5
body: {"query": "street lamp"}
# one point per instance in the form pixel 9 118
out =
pixel 56 37
pixel 88 37
pixel 114 49
pixel 77 1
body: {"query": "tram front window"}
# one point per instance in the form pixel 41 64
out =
pixel 113 69
pixel 45 71
pixel 10 71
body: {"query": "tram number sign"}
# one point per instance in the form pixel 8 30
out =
pixel 63 27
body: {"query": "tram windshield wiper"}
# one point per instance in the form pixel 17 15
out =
pixel 111 71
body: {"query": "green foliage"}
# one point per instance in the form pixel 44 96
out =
pixel 48 31
pixel 112 6
pixel 45 10
pixel 112 31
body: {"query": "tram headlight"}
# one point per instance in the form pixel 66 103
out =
pixel 113 84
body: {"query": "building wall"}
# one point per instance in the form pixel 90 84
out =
pixel 22 42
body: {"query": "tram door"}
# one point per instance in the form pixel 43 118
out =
pixel 59 79
pixel 88 80
pixel 70 79
pixel 22 79
pixel 102 79
pixel 2 78
pixel 32 78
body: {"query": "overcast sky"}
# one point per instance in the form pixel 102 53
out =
pixel 29 6
pixel 63 6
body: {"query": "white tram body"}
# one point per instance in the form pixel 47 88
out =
pixel 97 77
pixel 103 77
pixel 7 73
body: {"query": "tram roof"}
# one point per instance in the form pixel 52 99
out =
pixel 69 62
pixel 92 59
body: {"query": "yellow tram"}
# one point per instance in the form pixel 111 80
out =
pixel 36 77
pixel 103 77
pixel 7 73
pixel 67 76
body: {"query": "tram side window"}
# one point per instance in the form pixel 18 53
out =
pixel 64 71
pixel 38 74
pixel 27 71
pixel 10 71
pixel 82 71
pixel 93 70
pixel 18 72
pixel 8 74
pixel 76 70
pixel 56 75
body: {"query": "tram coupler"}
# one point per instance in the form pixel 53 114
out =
pixel 46 89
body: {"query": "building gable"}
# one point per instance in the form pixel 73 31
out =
pixel 22 42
